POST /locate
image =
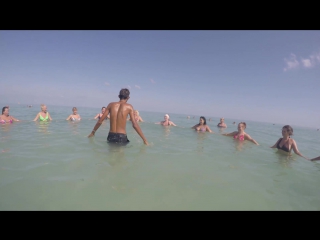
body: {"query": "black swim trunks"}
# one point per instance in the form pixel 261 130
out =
pixel 117 138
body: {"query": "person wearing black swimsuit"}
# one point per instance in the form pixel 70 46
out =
pixel 286 143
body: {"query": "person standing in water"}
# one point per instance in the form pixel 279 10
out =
pixel 43 115
pixel 5 118
pixel 166 121
pixel 118 120
pixel 286 143
pixel 240 134
pixel 202 125
pixel 75 116
pixel 222 124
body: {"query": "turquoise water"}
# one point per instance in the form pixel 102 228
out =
pixel 54 166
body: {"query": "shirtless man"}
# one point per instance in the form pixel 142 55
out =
pixel 118 120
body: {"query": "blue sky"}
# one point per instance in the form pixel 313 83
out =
pixel 267 76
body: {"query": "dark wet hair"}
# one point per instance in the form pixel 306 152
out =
pixel 204 119
pixel 103 108
pixel 289 129
pixel 4 108
pixel 124 93
pixel 245 125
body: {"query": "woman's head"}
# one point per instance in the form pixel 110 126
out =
pixel 202 120
pixel 43 108
pixel 74 110
pixel 166 117
pixel 5 110
pixel 242 126
pixel 103 109
pixel 136 112
pixel 221 120
pixel 287 129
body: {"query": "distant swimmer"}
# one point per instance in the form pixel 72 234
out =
pixel 44 115
pixel 75 116
pixel 5 118
pixel 240 134
pixel 202 125
pixel 286 143
pixel 166 121
pixel 99 115
pixel 188 117
pixel 222 123
pixel 137 116
pixel 118 120
pixel 234 123
pixel 210 119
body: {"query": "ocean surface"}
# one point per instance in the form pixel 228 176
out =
pixel 55 166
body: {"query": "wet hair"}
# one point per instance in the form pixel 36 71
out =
pixel 167 116
pixel 204 119
pixel 103 108
pixel 289 129
pixel 124 93
pixel 74 108
pixel 42 105
pixel 4 108
pixel 245 125
pixel 136 111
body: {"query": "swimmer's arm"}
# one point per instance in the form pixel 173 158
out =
pixel 140 119
pixel 172 124
pixel 49 117
pixel 158 123
pixel 195 126
pixel 136 127
pixel 247 136
pixel 96 116
pixel 14 119
pixel 69 117
pixel 229 134
pixel 296 151
pixel 208 129
pixel 315 159
pixel 36 118
pixel 275 145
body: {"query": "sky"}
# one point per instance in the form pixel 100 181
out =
pixel 266 76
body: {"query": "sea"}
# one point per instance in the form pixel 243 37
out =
pixel 54 166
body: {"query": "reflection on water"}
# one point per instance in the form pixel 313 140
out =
pixel 284 159
pixel 222 130
pixel 166 131
pixel 43 127
pixel 73 125
pixel 202 136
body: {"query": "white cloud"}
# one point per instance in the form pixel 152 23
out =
pixel 152 81
pixel 310 62
pixel 307 63
pixel 129 87
pixel 291 63
pixel 137 86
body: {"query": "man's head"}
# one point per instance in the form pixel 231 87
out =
pixel 124 94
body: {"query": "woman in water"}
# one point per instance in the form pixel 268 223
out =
pixel 99 115
pixel 202 125
pixel 166 121
pixel 5 118
pixel 286 143
pixel 222 123
pixel 75 116
pixel 137 116
pixel 240 134
pixel 43 115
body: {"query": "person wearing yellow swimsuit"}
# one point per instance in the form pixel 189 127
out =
pixel 43 115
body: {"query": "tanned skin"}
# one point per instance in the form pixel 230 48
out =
pixel 118 118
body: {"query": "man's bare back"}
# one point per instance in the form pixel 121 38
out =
pixel 118 119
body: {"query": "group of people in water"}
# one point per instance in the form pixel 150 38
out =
pixel 120 112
